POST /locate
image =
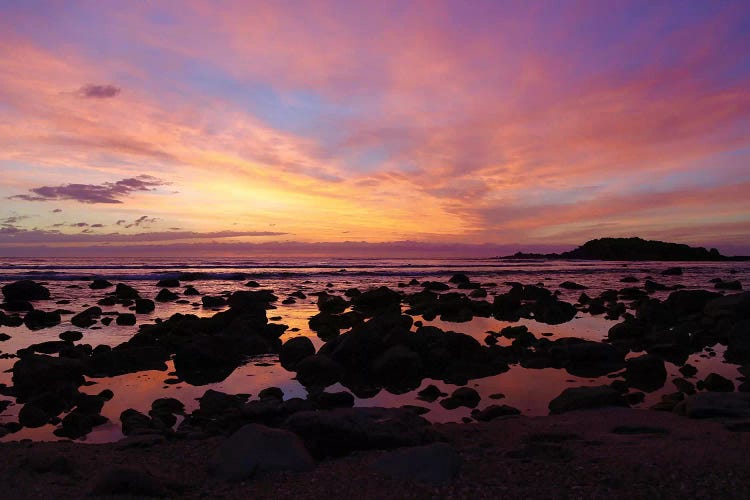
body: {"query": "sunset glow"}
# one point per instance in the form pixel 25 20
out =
pixel 438 123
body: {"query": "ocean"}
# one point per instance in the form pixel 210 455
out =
pixel 529 390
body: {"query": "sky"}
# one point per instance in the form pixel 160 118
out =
pixel 439 126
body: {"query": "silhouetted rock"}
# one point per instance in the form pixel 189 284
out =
pixel 125 292
pixel 168 283
pixel 256 448
pixel 672 271
pixel 166 295
pixel 436 463
pixel 295 350
pixel 71 336
pixel 209 301
pixel 25 290
pixel 646 372
pixel 86 318
pixel 495 411
pixel 37 319
pixel 716 383
pixel 125 319
pixel 99 284
pixel 337 432
pixel 578 398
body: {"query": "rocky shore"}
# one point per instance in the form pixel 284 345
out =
pixel 603 453
pixel 371 341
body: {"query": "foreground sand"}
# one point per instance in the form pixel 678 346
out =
pixel 575 455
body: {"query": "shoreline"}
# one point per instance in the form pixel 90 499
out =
pixel 575 454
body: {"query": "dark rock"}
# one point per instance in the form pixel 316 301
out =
pixel 728 285
pixel 718 404
pixel 36 319
pixel 646 372
pixel 35 374
pixel 77 424
pixel 168 283
pixel 99 284
pixel 252 284
pixel 208 359
pixel 459 278
pixel 684 386
pixel 318 371
pixel 209 301
pixel 166 295
pixel 135 422
pixel 629 279
pixel 130 481
pixel 331 304
pixel 86 318
pixel 430 393
pixel 213 402
pixel 125 292
pixel 4 337
pixel 256 448
pixel 331 400
pixel 33 416
pixel 435 286
pixel 71 336
pixel 553 312
pixel 496 411
pixel 295 350
pixel 271 392
pixel 377 300
pixel 463 396
pixel 126 359
pixel 25 290
pixel 639 429
pixel 87 403
pixel 570 285
pixel 436 463
pixel 578 398
pixel 338 432
pixel 125 319
pixel 716 383
pixel 688 370
pixel 190 291
pixel 672 271
pixel 251 300
pixel 399 367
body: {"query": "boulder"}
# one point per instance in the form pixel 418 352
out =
pixel 578 398
pixel 125 319
pixel 718 404
pixel 35 374
pixel 71 336
pixel 130 482
pixel 436 463
pixel 210 301
pixel 495 411
pixel 166 295
pixel 144 306
pixel 85 319
pixel 25 290
pixel 318 371
pixel 100 284
pixel 168 283
pixel 716 383
pixel 646 372
pixel 255 448
pixel 36 319
pixel 125 292
pixel 463 396
pixel 672 271
pixel 295 350
pixel 337 432
pixel 570 285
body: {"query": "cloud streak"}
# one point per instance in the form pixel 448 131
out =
pixel 109 192
pixel 92 91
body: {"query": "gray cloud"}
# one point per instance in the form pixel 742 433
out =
pixel 11 235
pixel 109 192
pixel 92 91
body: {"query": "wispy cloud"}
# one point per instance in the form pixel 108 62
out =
pixel 92 91
pixel 109 192
pixel 14 236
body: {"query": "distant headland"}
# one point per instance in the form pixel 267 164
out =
pixel 635 249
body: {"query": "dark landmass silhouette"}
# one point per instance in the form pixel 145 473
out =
pixel 635 249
